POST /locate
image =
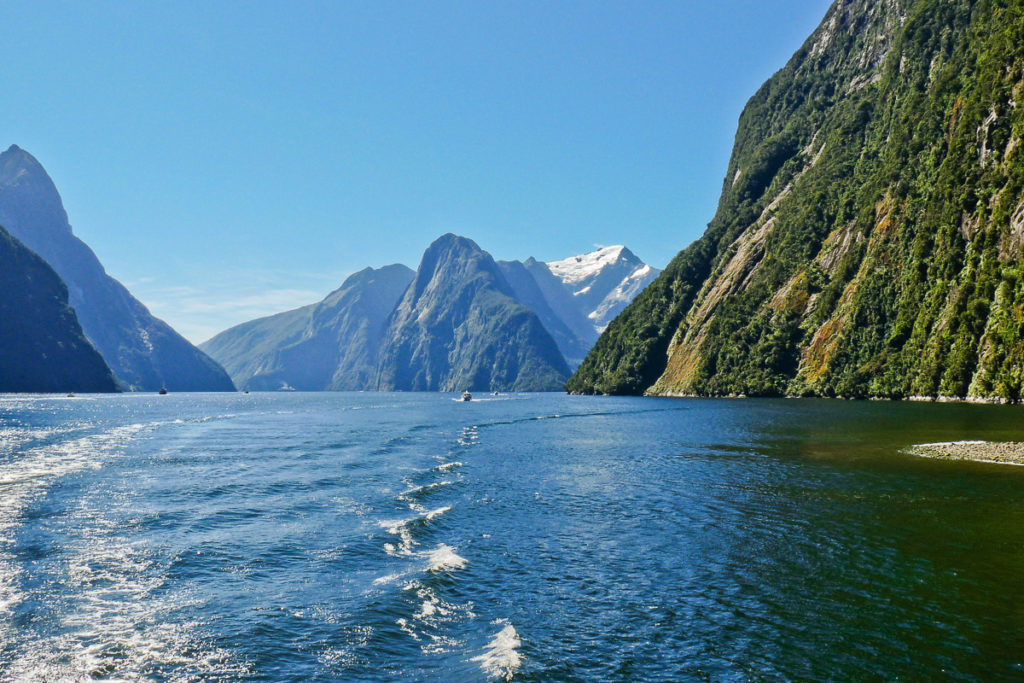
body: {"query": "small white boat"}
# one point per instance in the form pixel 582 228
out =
pixel 466 396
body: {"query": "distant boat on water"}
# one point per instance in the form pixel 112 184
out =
pixel 466 396
pixel 163 391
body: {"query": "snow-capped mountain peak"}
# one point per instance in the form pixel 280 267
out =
pixel 601 283
pixel 576 269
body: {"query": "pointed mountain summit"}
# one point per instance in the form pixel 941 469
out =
pixel 143 351
pixel 529 293
pixel 42 346
pixel 459 326
pixel 332 345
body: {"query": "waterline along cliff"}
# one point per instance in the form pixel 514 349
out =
pixel 868 240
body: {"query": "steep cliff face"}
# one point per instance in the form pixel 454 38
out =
pixel 143 351
pixel 332 345
pixel 42 346
pixel 868 240
pixel 459 326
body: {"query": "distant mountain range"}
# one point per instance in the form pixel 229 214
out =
pixel 144 352
pixel 461 321
pixel 331 345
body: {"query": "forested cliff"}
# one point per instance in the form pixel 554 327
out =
pixel 868 240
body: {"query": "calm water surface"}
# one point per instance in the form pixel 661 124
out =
pixel 352 537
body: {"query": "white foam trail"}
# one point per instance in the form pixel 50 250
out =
pixel 120 620
pixel 469 436
pixel 400 528
pixel 447 466
pixel 405 540
pixel 408 494
pixel 390 578
pixel 24 478
pixel 501 658
pixel 444 558
pixel 431 606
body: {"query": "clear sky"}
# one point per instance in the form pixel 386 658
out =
pixel 227 160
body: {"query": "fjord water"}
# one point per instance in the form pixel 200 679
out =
pixel 526 537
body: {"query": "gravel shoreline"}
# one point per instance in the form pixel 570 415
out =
pixel 1001 452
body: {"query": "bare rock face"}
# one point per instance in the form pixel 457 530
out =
pixel 143 351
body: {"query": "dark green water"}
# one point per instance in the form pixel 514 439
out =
pixel 375 537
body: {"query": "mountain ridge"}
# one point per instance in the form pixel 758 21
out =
pixel 330 345
pixel 281 350
pixel 144 352
pixel 459 326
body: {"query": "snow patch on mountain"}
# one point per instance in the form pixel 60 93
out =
pixel 576 269
pixel 603 282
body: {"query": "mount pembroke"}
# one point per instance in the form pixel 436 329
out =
pixel 461 321
pixel 868 239
pixel 143 351
pixel 459 326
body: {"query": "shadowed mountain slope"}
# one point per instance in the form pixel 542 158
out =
pixel 331 345
pixel 42 346
pixel 459 326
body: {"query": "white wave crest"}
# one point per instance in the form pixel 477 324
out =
pixel 436 513
pixel 444 558
pixel 501 658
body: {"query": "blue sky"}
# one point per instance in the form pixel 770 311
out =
pixel 227 160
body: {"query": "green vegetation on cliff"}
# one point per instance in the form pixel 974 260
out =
pixel 869 236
